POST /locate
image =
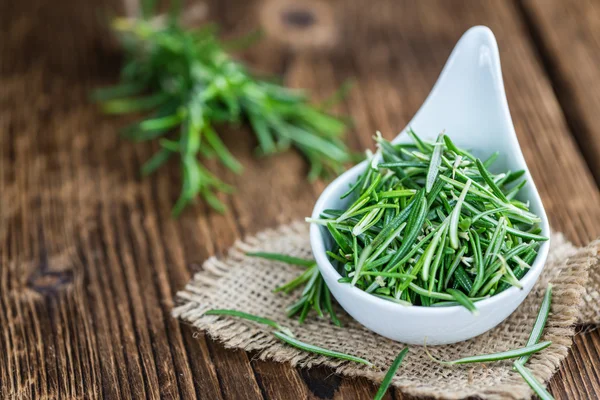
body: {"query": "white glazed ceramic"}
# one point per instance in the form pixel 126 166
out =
pixel 469 102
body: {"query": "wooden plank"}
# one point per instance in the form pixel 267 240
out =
pixel 280 383
pixel 95 323
pixel 568 37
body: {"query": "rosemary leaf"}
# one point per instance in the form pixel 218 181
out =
pixel 527 350
pixel 434 163
pixel 464 300
pixel 283 258
pixel 540 323
pixel 319 350
pixel 250 317
pixel 387 380
pixel 537 387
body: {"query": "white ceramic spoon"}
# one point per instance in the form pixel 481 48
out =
pixel 469 102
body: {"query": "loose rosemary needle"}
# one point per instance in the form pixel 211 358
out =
pixel 540 323
pixel 387 380
pixel 250 317
pixel 319 350
pixel 537 387
pixel 534 337
pixel 527 350
pixel 429 223
pixel 187 86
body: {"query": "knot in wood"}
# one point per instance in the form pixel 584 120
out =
pixel 50 282
pixel 298 18
pixel 306 25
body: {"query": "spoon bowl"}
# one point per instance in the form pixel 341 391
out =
pixel 469 102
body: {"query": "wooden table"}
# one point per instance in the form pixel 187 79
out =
pixel 90 258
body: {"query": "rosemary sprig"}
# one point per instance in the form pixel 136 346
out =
pixel 430 223
pixel 285 335
pixel 315 294
pixel 282 258
pixel 540 322
pixel 319 350
pixel 250 317
pixel 534 337
pixel 187 85
pixel 523 351
pixel 537 387
pixel 387 380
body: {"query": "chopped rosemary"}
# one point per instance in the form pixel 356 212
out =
pixel 430 223
pixel 387 380
pixel 315 294
pixel 187 85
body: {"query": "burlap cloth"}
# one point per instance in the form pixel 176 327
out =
pixel 245 283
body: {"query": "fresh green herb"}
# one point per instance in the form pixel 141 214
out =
pixel 187 86
pixel 250 317
pixel 496 356
pixel 540 323
pixel 319 350
pixel 463 300
pixel 315 293
pixel 428 222
pixel 537 387
pixel 534 337
pixel 434 163
pixel 287 336
pixel 387 380
pixel 456 214
pixel 282 258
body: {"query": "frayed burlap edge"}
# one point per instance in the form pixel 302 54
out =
pixel 200 294
pixel 590 310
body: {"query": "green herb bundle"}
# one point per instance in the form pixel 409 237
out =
pixel 430 225
pixel 187 85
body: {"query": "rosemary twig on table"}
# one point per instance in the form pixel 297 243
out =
pixel 319 350
pixel 429 224
pixel 504 355
pixel 534 337
pixel 285 335
pixel 250 317
pixel 186 85
pixel 540 323
pixel 533 383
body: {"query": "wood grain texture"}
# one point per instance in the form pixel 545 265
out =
pixel 90 258
pixel 568 37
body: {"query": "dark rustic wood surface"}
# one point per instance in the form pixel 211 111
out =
pixel 568 38
pixel 89 256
